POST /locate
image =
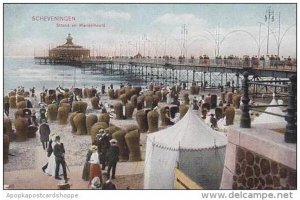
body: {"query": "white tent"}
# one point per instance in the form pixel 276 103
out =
pixel 268 118
pixel 198 149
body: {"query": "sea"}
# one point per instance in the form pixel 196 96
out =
pixel 22 71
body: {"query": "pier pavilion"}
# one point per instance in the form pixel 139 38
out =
pixel 69 51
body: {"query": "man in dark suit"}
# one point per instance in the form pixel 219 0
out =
pixel 44 133
pixel 59 152
pixel 112 158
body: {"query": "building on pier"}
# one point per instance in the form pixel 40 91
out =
pixel 69 51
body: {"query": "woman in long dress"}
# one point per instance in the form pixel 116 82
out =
pixel 95 170
pixel 50 170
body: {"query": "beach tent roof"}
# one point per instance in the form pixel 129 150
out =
pixel 267 118
pixel 190 133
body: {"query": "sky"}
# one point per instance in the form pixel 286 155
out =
pixel 152 29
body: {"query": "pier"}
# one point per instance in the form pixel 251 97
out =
pixel 205 71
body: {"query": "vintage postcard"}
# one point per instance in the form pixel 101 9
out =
pixel 150 96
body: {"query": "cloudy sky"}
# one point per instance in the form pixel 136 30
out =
pixel 152 29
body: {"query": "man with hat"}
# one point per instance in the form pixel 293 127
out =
pixel 59 153
pixel 112 158
pixel 44 133
pixel 103 146
pixel 43 114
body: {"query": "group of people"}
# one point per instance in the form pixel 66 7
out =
pixel 171 115
pixel 56 165
pixel 103 152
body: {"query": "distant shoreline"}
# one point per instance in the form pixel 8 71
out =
pixel 18 56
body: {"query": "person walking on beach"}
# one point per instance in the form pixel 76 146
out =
pixel 103 89
pixel 95 170
pixel 43 114
pixel 86 167
pixel 50 166
pixel 112 158
pixel 32 91
pixel 44 133
pixel 49 152
pixel 59 153
pixel 103 146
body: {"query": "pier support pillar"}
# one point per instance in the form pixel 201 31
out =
pixel 222 79
pixel 151 73
pixel 237 81
pixel 146 73
pixel 204 81
pixel 209 79
pixel 193 75
pixel 187 76
pixel 172 76
pixel 157 73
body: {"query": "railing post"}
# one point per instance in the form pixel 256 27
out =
pixel 291 117
pixel 245 118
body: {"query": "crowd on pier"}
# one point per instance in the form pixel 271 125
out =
pixel 246 60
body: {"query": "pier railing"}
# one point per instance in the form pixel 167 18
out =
pixel 235 62
pixel 291 117
pixel 284 65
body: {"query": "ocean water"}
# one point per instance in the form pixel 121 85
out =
pixel 23 71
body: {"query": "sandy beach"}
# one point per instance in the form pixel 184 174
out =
pixel 28 157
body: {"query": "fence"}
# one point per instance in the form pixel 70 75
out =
pixel 291 117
